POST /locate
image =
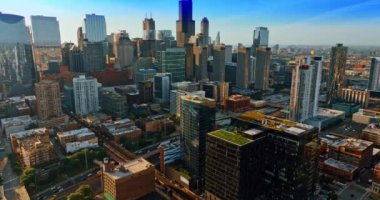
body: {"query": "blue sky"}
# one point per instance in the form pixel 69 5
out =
pixel 324 22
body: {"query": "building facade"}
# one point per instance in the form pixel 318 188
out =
pixel 185 23
pixel 48 99
pixel 243 68
pixel 172 61
pixel 263 59
pixel 374 74
pixel 306 83
pixel 86 95
pixel 95 28
pixel 197 119
pixel 337 74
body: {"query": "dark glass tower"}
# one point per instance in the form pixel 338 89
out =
pixel 337 79
pixel 185 23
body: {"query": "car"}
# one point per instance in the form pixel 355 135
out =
pixel 90 174
pixel 370 181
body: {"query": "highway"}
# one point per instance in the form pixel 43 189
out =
pixel 120 154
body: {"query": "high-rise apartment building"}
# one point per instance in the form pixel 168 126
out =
pixel 76 61
pixel 185 23
pixel 172 61
pixel 162 87
pixel 283 159
pixel 228 175
pixel 93 56
pixel 263 59
pixel 243 67
pixel 145 91
pixel 337 73
pixel 374 74
pixel 95 28
pixel 125 50
pixel 201 63
pixel 219 64
pixel 261 37
pixel 197 119
pixel 149 28
pixel 16 64
pixel 48 99
pixel 306 84
pixel 86 95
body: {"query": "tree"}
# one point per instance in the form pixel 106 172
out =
pixel 28 176
pixel 75 196
pixel 84 192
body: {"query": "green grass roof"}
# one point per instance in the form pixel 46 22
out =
pixel 231 137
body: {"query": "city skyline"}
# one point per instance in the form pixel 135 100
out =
pixel 297 22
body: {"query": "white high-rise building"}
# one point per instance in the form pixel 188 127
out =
pixel 306 83
pixel 261 37
pixel 45 31
pixel 374 75
pixel 95 28
pixel 86 96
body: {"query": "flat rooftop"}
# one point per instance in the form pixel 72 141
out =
pixel 276 123
pixel 75 132
pixel 347 128
pixel 200 100
pixel 372 128
pixel 253 132
pixel 340 165
pixel 29 133
pixel 15 120
pixel 130 168
pixel 348 143
pixel 230 137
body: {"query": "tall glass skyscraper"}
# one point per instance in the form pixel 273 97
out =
pixel 337 74
pixel 46 42
pixel 374 75
pixel 95 28
pixel 172 61
pixel 185 23
pixel 261 37
pixel 16 57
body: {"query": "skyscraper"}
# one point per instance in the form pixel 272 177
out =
pixel 86 95
pixel 374 74
pixel 162 87
pixel 125 50
pixel 205 27
pixel 149 28
pixel 46 41
pixel 228 175
pixel 261 37
pixel 306 83
pixel 76 59
pixel 263 59
pixel 197 119
pixel 93 56
pixel 16 63
pixel 217 40
pixel 185 23
pixel 48 98
pixel 80 37
pixel 337 79
pixel 200 63
pixel 172 61
pixel 283 162
pixel 95 27
pixel 219 63
pixel 243 67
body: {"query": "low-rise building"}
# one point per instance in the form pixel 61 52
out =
pixel 238 103
pixel 372 133
pixel 338 168
pixel 376 179
pixel 77 139
pixel 33 147
pixel 15 124
pixel 365 116
pixel 348 150
pixel 132 180
pixel 325 118
pixel 121 128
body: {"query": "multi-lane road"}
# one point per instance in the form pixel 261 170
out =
pixel 11 179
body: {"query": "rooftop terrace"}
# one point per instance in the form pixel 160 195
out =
pixel 230 137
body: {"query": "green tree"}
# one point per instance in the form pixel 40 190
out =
pixel 86 191
pixel 28 177
pixel 75 196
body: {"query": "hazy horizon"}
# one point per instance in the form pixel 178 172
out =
pixel 294 22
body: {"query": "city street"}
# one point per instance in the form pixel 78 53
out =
pixel 11 179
